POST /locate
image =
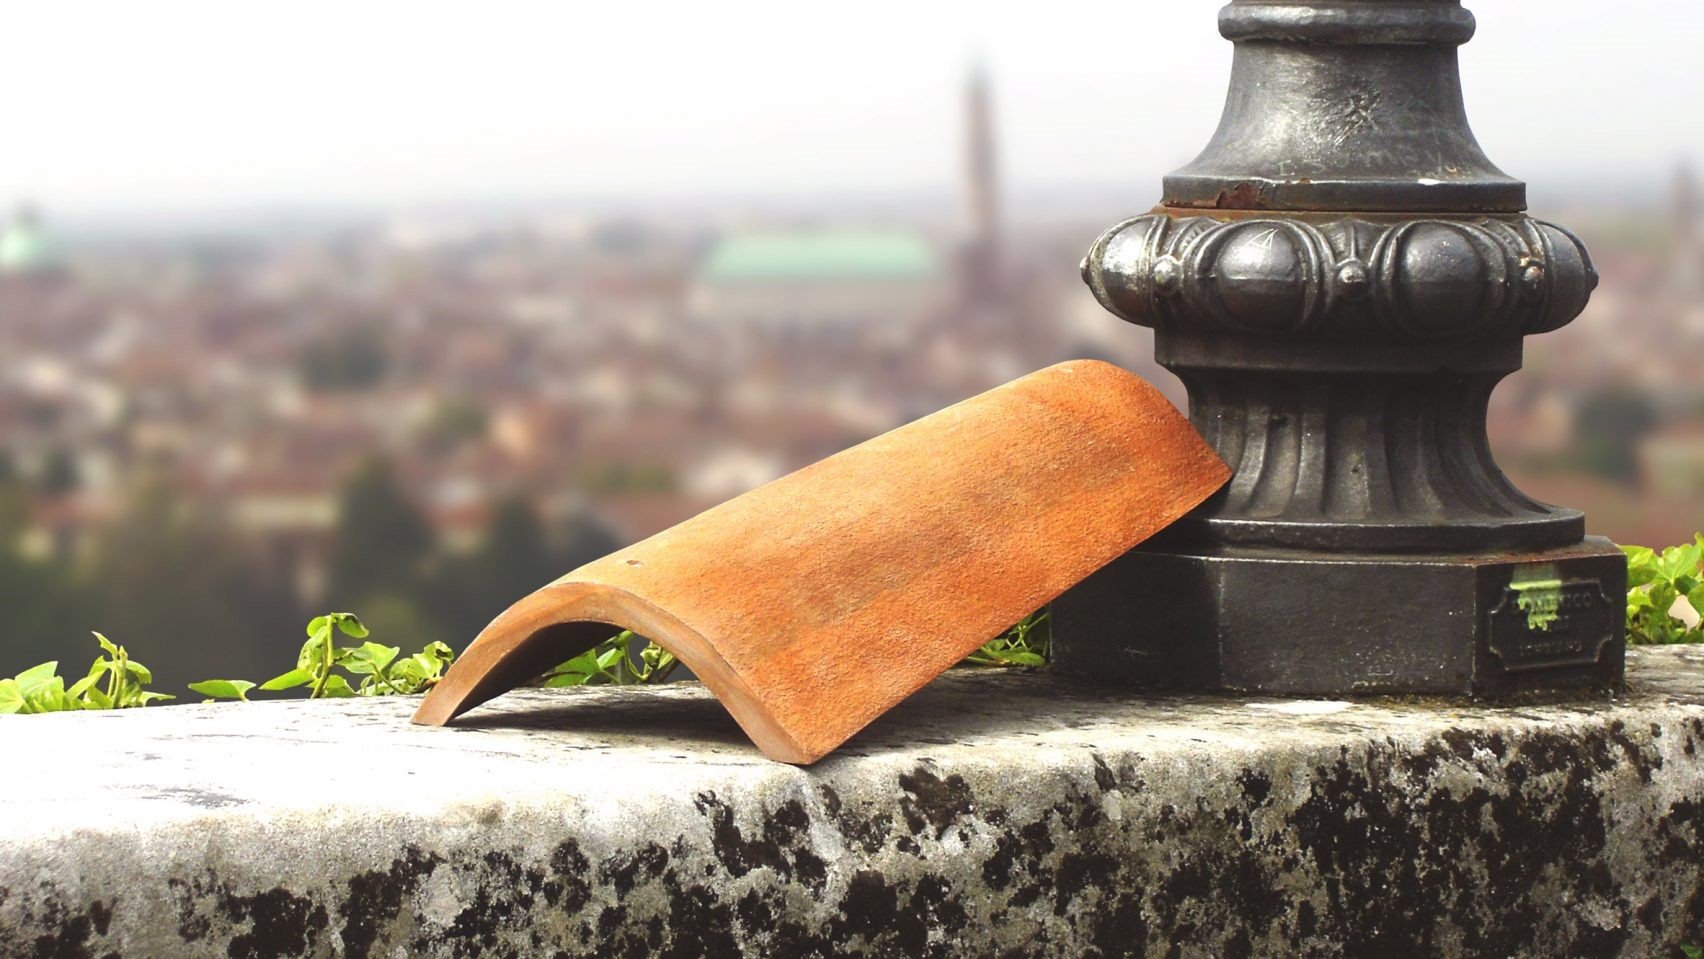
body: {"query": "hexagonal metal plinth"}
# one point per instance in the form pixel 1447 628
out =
pixel 1269 621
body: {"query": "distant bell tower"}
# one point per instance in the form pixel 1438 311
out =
pixel 1684 202
pixel 981 254
pixel 1686 269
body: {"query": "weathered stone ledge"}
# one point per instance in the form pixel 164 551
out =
pixel 993 814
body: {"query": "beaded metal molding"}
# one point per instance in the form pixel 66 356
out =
pixel 1430 280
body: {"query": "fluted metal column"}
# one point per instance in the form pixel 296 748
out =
pixel 1340 280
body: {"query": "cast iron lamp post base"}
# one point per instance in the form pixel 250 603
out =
pixel 1340 280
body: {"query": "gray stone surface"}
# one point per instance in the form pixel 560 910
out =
pixel 993 814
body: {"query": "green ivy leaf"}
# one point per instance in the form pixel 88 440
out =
pixel 350 625
pixel 561 680
pixel 424 668
pixel 1679 561
pixel 373 657
pixel 47 697
pixel 106 644
pixel 223 688
pixel 1663 596
pixel 577 671
pixel 83 685
pixel 36 675
pixel 11 698
pixel 317 625
pixel 290 680
pixel 96 698
pixel 144 699
pixel 336 687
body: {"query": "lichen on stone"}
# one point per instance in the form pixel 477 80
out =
pixel 1000 815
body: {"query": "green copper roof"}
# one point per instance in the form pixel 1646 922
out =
pixel 824 255
pixel 24 247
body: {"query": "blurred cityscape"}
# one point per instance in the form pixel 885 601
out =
pixel 205 437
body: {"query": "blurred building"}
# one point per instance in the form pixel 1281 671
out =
pixel 25 249
pixel 823 280
pixel 620 370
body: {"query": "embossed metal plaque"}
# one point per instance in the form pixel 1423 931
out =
pixel 1543 623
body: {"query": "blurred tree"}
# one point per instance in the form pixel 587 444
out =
pixel 620 477
pixel 176 587
pixel 40 602
pixel 59 473
pixel 514 555
pixel 512 559
pixel 352 359
pixel 397 620
pixel 583 539
pixel 381 541
pixel 47 614
pixel 14 504
pixel 455 420
pixel 1608 427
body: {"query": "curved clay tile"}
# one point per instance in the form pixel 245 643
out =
pixel 813 604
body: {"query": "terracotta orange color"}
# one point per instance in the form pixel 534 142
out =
pixel 813 604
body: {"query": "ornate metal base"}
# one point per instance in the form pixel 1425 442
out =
pixel 1308 623
pixel 1340 279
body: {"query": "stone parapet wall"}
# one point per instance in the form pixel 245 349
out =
pixel 993 814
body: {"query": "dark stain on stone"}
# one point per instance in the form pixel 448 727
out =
pixel 933 802
pixel 627 870
pixel 375 898
pixel 101 913
pixel 788 830
pixel 699 926
pixel 72 932
pixel 1121 929
pixel 783 847
pixel 502 901
pixel 938 903
pixel 868 833
pixel 567 886
pixel 754 912
pixel 1079 871
pixel 199 797
pixel 611 919
pixel 1395 863
pixel 1256 786
pixel 281 923
pixel 1017 852
pixel 1104 777
pixel 1466 844
pixel 867 908
pixel 192 926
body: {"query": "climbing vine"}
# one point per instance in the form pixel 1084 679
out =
pixel 1664 599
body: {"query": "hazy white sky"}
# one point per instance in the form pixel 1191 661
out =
pixel 179 105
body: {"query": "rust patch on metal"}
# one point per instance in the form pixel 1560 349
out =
pixel 1243 196
pixel 814 604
